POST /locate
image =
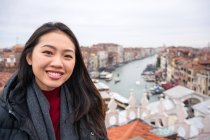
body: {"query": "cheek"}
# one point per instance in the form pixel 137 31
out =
pixel 38 65
pixel 70 67
pixel 37 60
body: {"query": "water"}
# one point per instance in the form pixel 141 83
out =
pixel 129 74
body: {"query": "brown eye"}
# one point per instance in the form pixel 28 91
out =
pixel 68 56
pixel 48 53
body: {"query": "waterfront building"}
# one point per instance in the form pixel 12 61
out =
pixel 188 67
pixel 180 113
pixel 102 59
pixel 85 54
pixel 169 72
pixel 93 62
pixel 168 116
pixel 163 61
pixel 129 54
pixel 203 76
pixel 202 83
pixel 115 51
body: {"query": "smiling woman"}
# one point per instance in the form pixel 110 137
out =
pixel 51 96
pixel 57 53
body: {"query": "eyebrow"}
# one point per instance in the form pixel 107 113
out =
pixel 53 47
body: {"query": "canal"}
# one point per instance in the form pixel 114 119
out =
pixel 131 78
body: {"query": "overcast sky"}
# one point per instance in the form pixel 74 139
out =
pixel 130 23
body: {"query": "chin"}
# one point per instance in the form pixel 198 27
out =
pixel 53 85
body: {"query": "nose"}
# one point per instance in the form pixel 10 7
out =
pixel 57 61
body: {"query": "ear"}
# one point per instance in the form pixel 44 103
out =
pixel 29 59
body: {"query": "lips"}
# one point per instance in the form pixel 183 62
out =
pixel 54 75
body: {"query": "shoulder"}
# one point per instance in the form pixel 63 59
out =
pixel 3 109
pixel 6 119
pixel 10 126
pixel 5 116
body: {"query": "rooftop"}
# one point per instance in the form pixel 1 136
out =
pixel 133 130
pixel 178 92
pixel 203 107
pixel 4 76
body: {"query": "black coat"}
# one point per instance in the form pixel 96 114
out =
pixel 15 123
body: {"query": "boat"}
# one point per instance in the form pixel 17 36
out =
pixel 157 89
pixel 150 69
pixel 149 78
pixel 117 78
pixel 106 95
pixel 149 73
pixel 102 75
pixel 101 86
pixel 138 83
pixel 105 75
pixel 121 101
pixel 108 77
pixel 103 90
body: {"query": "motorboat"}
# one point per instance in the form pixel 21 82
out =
pixel 102 75
pixel 157 89
pixel 138 83
pixel 149 78
pixel 105 75
pixel 108 77
pixel 117 78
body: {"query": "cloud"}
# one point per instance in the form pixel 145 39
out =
pixel 129 23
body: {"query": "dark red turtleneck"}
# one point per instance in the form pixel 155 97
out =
pixel 53 98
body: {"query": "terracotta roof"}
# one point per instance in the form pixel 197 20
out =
pixel 4 76
pixel 195 66
pixel 134 129
pixel 8 54
pixel 182 60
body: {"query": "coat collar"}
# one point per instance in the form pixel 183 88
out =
pixel 13 99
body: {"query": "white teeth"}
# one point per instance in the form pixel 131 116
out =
pixel 54 74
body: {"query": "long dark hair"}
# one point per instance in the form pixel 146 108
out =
pixel 87 102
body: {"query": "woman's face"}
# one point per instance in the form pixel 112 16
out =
pixel 52 60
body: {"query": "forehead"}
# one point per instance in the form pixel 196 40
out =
pixel 55 34
pixel 56 38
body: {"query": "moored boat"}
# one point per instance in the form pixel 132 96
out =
pixel 108 77
pixel 149 78
pixel 105 75
pixel 106 94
